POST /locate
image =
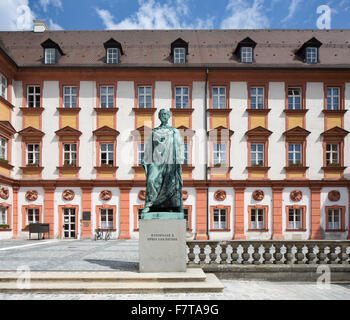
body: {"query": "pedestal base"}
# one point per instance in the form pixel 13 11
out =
pixel 162 245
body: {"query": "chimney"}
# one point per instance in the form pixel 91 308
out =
pixel 40 26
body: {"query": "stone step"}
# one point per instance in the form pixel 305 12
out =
pixel 191 275
pixel 211 284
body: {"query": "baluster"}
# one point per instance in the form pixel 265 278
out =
pixel 223 254
pixel 256 255
pixel 191 255
pixel 234 254
pixel 245 254
pixel 267 254
pixel 289 253
pixel 321 256
pixel 343 255
pixel 299 255
pixel 202 254
pixel 278 255
pixel 332 256
pixel 212 254
pixel 310 255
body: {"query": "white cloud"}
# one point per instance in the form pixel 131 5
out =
pixel 292 9
pixel 46 3
pixel 15 15
pixel 54 26
pixel 242 16
pixel 153 15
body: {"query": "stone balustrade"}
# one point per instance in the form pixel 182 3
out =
pixel 311 252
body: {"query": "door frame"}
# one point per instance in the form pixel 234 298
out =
pixel 60 218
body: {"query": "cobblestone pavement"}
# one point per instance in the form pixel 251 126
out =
pixel 122 255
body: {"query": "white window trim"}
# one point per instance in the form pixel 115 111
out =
pixel 36 154
pixel 246 54
pixel 294 153
pixel 220 154
pixel 294 96
pixel 3 86
pixel 3 148
pixel 334 225
pixel 255 96
pixel 330 153
pixel 256 153
pixel 109 153
pixel 140 152
pixel 220 224
pixel 294 224
pixel 113 55
pixel 3 215
pixel 142 97
pixel 257 225
pixel 109 97
pixel 34 210
pixel 70 94
pixel 180 55
pixel 217 97
pixel 332 96
pixel 36 96
pixel 50 55
pixel 70 153
pixel 109 213
pixel 181 96
pixel 311 56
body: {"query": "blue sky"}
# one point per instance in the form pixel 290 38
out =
pixel 173 14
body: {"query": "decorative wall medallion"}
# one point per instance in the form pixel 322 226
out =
pixel 31 195
pixel 184 194
pixel 334 195
pixel 258 195
pixel 220 195
pixel 106 195
pixel 142 195
pixel 296 195
pixel 4 193
pixel 68 195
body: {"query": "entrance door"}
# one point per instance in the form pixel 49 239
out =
pixel 69 223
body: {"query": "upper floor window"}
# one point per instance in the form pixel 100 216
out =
pixel 106 218
pixel 220 219
pixel 107 153
pixel 50 56
pixel 113 55
pixel 257 98
pixel 33 96
pixel 107 97
pixel 186 153
pixel 145 97
pixel 246 54
pixel 179 55
pixel 294 98
pixel 333 97
pixel 140 153
pixel 219 154
pixel 311 55
pixel 332 154
pixel 33 154
pixel 294 154
pixel 3 148
pixel 3 86
pixel 70 154
pixel 257 154
pixel 70 97
pixel 181 97
pixel 219 97
pixel 3 215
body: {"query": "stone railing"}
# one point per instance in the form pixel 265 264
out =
pixel 268 252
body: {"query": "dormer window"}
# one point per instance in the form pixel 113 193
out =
pixel 52 52
pixel 309 51
pixel 112 55
pixel 113 51
pixel 245 50
pixel 311 55
pixel 179 50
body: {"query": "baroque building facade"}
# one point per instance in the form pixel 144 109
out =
pixel 263 114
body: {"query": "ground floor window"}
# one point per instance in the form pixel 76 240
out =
pixel 106 218
pixel 220 219
pixel 3 215
pixel 295 218
pixel 187 218
pixel 32 215
pixel 257 218
pixel 334 219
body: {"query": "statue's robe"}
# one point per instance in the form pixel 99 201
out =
pixel 164 154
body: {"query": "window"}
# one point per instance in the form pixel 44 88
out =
pixel 140 153
pixel 295 216
pixel 107 153
pixel 179 55
pixel 107 97
pixel 70 97
pixel 145 97
pixel 112 55
pixel 185 153
pixel 50 56
pixel 181 97
pixel 3 86
pixel 333 98
pixel 311 55
pixel 334 219
pixel 106 218
pixel 3 215
pixel 3 148
pixel 139 215
pixel 219 97
pixel 294 98
pixel 256 154
pixel 257 218
pixel 294 154
pixel 70 154
pixel 332 154
pixel 33 154
pixel 219 154
pixel 256 98
pixel 187 218
pixel 220 219
pixel 246 54
pixel 32 215
pixel 33 96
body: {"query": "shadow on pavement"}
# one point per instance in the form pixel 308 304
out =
pixel 115 264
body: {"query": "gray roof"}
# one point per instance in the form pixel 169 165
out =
pixel 151 48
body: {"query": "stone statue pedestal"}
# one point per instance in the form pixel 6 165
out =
pixel 162 245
